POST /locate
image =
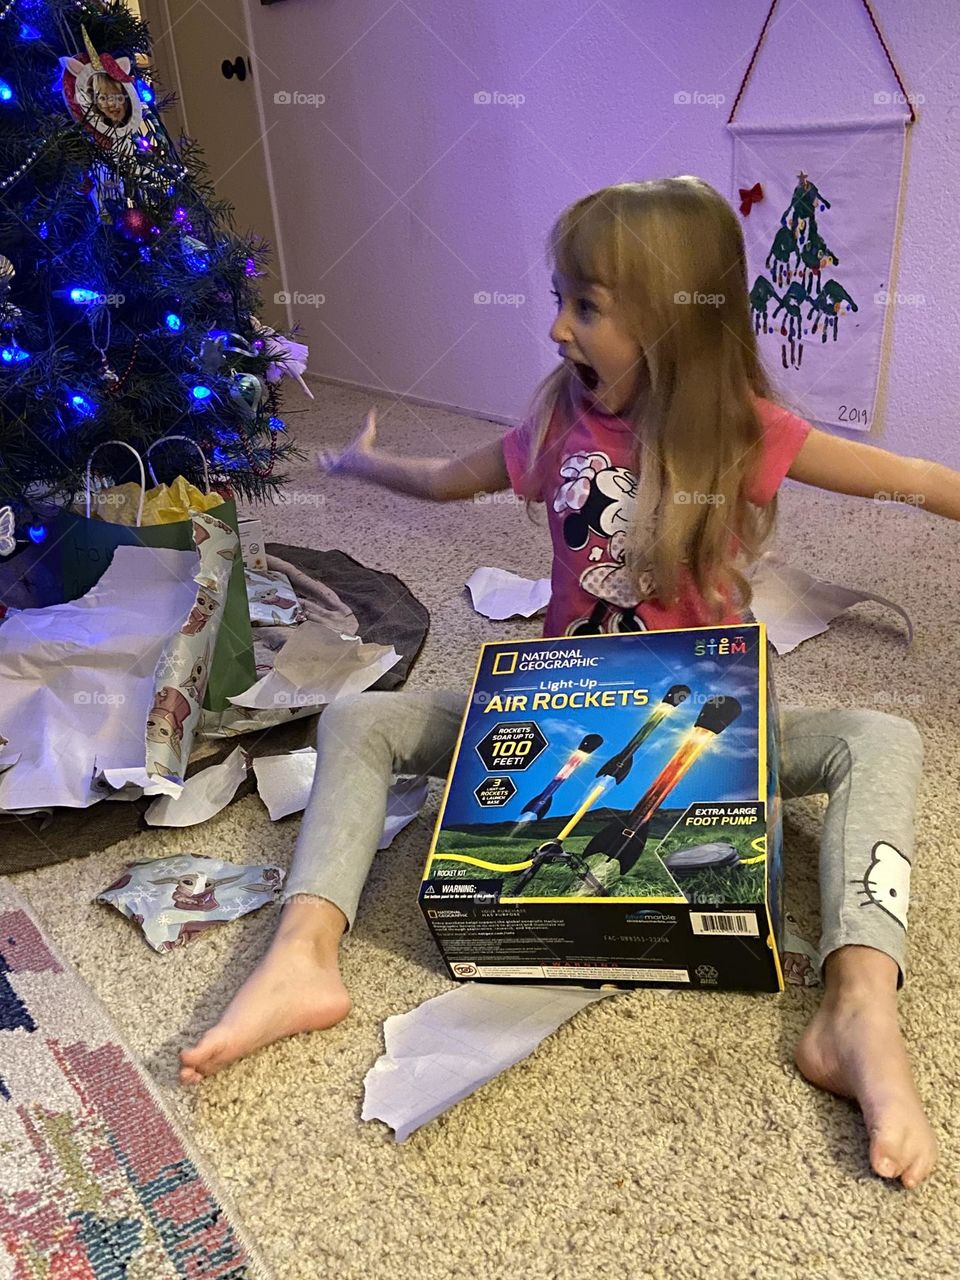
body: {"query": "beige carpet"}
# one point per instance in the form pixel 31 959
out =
pixel 656 1135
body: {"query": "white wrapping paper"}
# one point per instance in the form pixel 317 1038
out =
pixel 77 679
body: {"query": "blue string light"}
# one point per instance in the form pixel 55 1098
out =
pixel 82 405
pixel 14 354
pixel 37 532
pixel 6 92
pixel 201 392
pixel 173 322
pixel 27 32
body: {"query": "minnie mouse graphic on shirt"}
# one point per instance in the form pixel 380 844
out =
pixel 600 499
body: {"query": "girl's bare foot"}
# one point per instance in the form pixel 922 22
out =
pixel 296 987
pixel 854 1048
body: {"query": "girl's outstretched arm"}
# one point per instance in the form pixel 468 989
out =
pixel 439 479
pixel 849 466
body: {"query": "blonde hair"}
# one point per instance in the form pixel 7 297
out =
pixel 661 247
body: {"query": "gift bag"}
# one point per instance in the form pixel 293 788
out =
pixel 81 548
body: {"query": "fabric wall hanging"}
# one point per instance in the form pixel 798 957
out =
pixel 818 203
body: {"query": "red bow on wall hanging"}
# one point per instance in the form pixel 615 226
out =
pixel 749 196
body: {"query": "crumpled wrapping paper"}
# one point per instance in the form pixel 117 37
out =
pixel 184 667
pixel 77 679
pixel 173 899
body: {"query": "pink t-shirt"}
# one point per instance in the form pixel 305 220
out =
pixel 585 477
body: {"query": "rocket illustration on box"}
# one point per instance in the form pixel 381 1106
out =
pixel 539 806
pixel 625 841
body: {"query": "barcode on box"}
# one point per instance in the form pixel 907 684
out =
pixel 733 923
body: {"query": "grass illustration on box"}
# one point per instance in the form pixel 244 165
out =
pixel 491 842
pixel 650 878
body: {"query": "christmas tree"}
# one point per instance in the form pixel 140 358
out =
pixel 798 256
pixel 128 305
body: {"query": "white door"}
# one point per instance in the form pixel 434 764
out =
pixel 203 53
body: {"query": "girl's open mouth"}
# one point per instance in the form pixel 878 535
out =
pixel 587 375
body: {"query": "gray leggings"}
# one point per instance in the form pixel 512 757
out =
pixel 867 762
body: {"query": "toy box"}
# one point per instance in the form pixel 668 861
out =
pixel 252 549
pixel 613 815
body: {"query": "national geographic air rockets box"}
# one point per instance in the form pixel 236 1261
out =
pixel 613 815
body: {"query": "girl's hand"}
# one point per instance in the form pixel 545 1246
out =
pixel 351 459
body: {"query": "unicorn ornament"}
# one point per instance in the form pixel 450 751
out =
pixel 100 93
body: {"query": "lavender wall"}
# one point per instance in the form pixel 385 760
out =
pixel 400 198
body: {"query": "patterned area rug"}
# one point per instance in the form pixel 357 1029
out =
pixel 96 1183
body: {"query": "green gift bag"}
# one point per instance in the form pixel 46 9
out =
pixel 80 548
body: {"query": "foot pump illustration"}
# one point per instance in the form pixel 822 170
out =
pixel 625 840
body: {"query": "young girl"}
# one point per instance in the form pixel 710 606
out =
pixel 658 450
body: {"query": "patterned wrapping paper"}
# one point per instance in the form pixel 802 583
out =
pixel 273 601
pixel 173 899
pixel 183 670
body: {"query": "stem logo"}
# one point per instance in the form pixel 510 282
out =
pixel 721 648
